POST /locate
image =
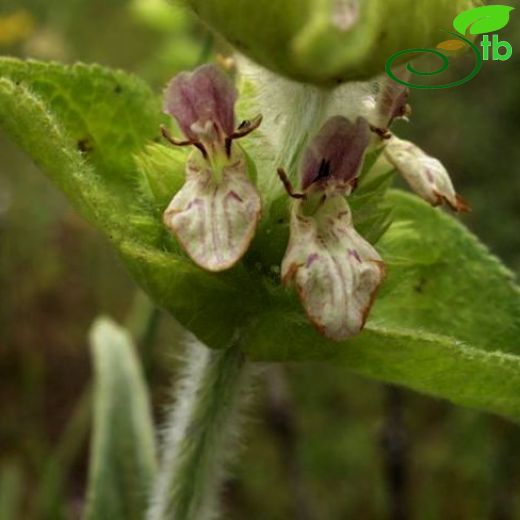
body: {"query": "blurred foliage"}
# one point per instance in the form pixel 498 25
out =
pixel 57 274
pixel 328 42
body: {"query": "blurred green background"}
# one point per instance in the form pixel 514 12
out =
pixel 321 443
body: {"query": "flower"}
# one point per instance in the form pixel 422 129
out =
pixel 424 174
pixel 335 270
pixel 214 215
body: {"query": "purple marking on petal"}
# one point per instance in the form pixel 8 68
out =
pixel 234 195
pixel 311 259
pixel 206 94
pixel 355 254
pixel 336 152
pixel 194 202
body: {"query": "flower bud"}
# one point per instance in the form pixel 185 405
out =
pixel 328 41
pixel 425 175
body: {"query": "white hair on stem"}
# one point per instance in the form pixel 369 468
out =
pixel 201 433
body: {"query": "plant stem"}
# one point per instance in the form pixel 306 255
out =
pixel 199 433
pixel 394 441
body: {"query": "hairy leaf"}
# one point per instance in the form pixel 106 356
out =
pixel 123 448
pixel 82 124
pixel 446 322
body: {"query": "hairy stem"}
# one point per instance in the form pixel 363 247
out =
pixel 199 433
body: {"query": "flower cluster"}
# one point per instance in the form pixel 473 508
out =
pixel 214 216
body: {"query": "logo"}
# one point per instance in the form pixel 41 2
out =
pixel 475 22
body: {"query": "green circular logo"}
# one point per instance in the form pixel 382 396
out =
pixel 445 63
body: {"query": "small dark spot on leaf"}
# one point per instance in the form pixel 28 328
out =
pixel 281 221
pixel 118 89
pixel 419 287
pixel 84 145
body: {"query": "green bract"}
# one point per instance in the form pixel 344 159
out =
pixel 446 322
pixel 328 41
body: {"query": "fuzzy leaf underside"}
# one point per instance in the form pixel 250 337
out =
pixel 447 318
pixel 123 448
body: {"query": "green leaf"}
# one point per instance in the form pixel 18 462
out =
pixel 483 20
pixel 373 214
pixel 48 109
pixel 122 459
pixel 162 170
pixel 107 113
pixel 443 280
pixel 326 41
pixel 446 322
pixel 82 124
